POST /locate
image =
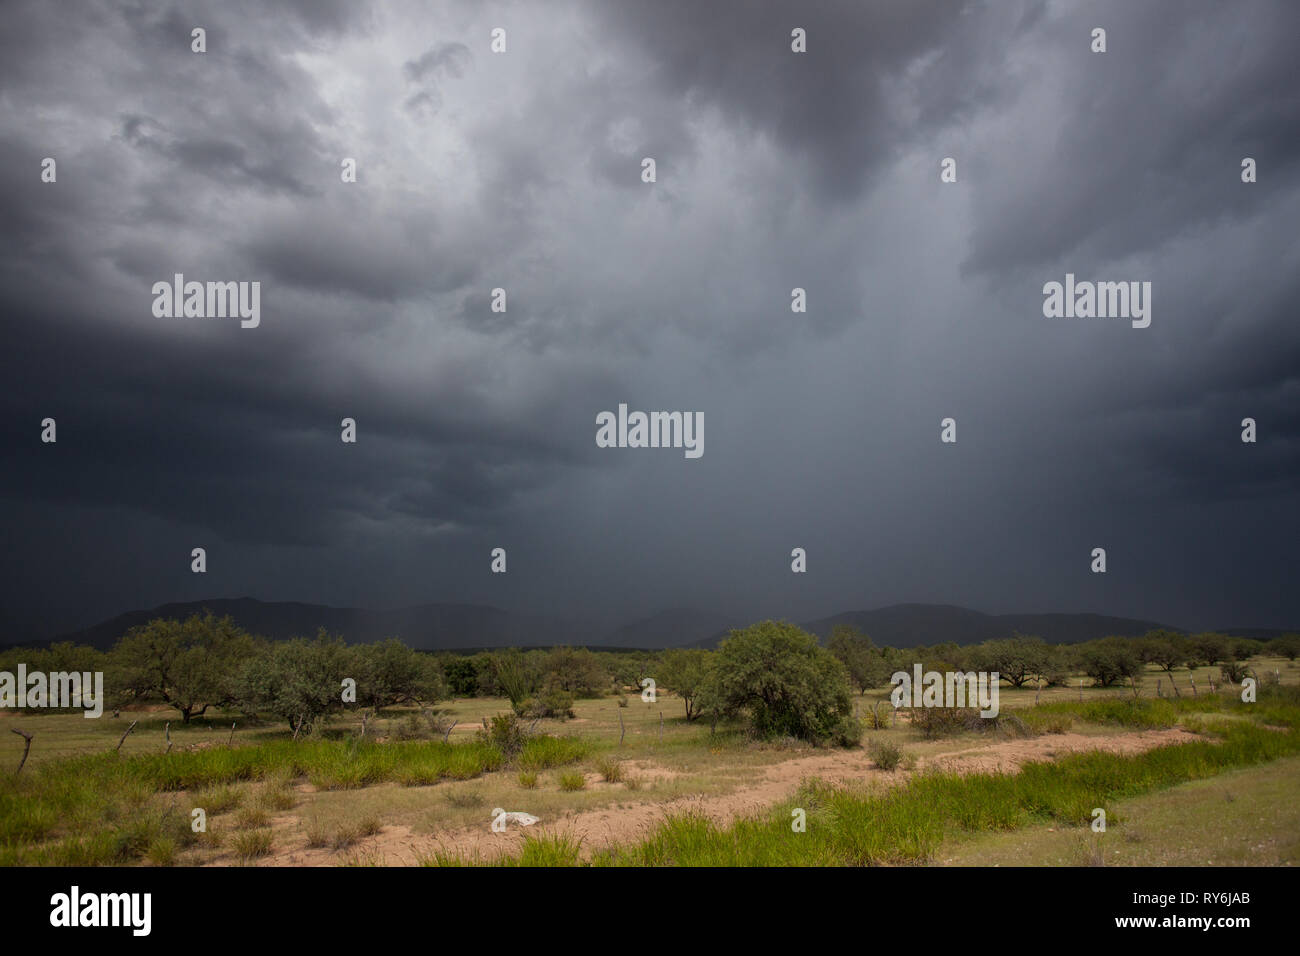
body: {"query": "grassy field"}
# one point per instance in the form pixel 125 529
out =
pixel 1246 817
pixel 908 824
pixel 329 798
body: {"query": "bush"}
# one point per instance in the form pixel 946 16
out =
pixel 543 752
pixel 1111 660
pixel 528 779
pixel 934 722
pixel 847 732
pixel 216 800
pixel 251 818
pixel 1234 671
pixel 610 768
pixel 685 672
pixel 466 799
pixel 780 677
pixel 553 703
pixel 1017 659
pixel 885 754
pixel 391 673
pixel 297 680
pixel 573 780
pixel 252 844
pixel 162 852
pixel 505 732
pixel 574 671
pixel 350 833
pixel 421 726
pixel 276 798
pixel 317 835
pixel 1048 723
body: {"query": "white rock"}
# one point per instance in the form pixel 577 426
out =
pixel 514 816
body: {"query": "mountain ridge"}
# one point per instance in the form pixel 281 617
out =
pixel 453 626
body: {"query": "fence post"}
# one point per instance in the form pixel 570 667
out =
pixel 124 733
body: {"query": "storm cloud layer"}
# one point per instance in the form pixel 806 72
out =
pixel 522 170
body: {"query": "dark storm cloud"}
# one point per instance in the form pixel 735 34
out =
pixel 775 170
pixel 833 110
pixel 446 59
pixel 1151 147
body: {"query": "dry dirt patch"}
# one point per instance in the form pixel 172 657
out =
pixel 400 845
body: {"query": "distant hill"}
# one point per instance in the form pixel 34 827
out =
pixel 907 625
pixel 435 627
pixel 672 628
pixel 424 627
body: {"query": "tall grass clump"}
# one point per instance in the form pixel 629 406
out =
pixel 885 754
pixel 542 753
pixel 573 780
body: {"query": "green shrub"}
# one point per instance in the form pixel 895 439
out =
pixel 934 722
pixel 317 835
pixel 465 799
pixel 276 798
pixel 847 732
pixel 545 851
pixel 218 800
pixel 251 818
pixel 1049 723
pixel 553 703
pixel 252 844
pixel 610 768
pixel 162 851
pixel 544 752
pixel 1234 672
pixel 528 779
pixel 506 733
pixel 349 833
pixel 885 754
pixel 782 679
pixel 573 780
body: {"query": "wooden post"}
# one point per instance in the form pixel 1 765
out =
pixel 1038 692
pixel 232 735
pixel 1080 688
pixel 124 733
pixel 1159 692
pixel 1192 678
pixel 661 727
pixel 621 729
pixel 26 749
pixel 167 730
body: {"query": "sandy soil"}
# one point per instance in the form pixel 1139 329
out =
pixel 399 845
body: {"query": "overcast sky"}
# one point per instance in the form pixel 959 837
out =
pixel 775 170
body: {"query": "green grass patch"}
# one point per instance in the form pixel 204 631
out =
pixel 905 825
pixel 542 753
